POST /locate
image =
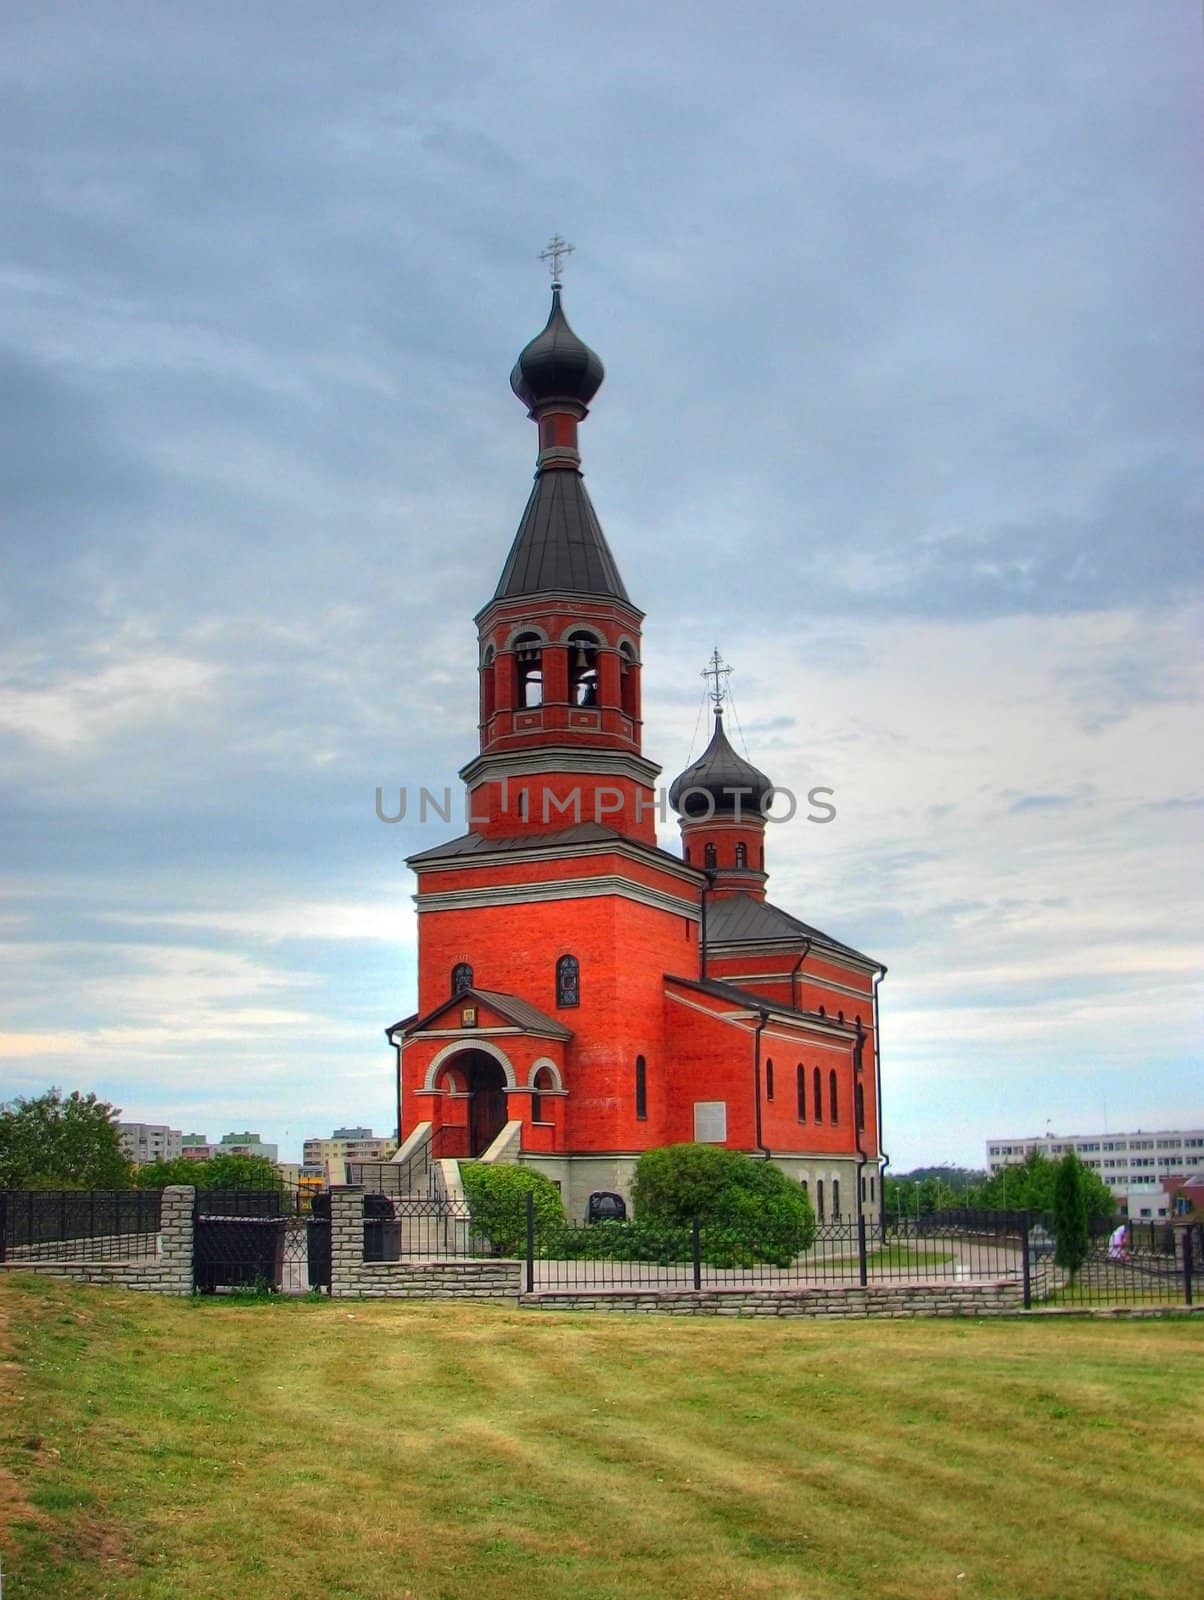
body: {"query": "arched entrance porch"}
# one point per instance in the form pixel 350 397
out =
pixel 485 1080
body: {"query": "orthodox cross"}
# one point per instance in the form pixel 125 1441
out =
pixel 717 670
pixel 554 254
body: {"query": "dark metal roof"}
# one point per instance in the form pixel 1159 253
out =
pixel 560 544
pixel 521 1012
pixel 723 775
pixel 749 1001
pixel 556 365
pixel 739 919
pixel 474 844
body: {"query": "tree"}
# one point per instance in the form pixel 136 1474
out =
pixel 219 1172
pixel 1030 1187
pixel 749 1210
pixel 497 1199
pixel 52 1142
pixel 1072 1234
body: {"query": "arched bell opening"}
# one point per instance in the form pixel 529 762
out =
pixel 528 670
pixel 583 668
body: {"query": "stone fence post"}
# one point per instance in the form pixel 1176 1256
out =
pixel 176 1239
pixel 346 1239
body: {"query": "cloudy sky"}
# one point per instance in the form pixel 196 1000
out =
pixel 899 308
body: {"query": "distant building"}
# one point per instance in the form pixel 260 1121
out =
pixel 245 1144
pixel 1135 1166
pixel 347 1144
pixel 144 1142
pixel 196 1147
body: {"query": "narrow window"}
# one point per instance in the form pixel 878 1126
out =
pixel 871 1191
pixel 543 1081
pixel 461 977
pixel 710 856
pixel 800 1090
pixel 568 982
pixel 817 1096
pixel 819 1199
pixel 686 855
pixel 835 1199
pixel 769 1078
pixel 741 855
pixel 641 1089
pixel 859 1099
pixel 833 1109
pixel 522 805
pixel 863 1191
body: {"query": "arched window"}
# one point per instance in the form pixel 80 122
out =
pixel 543 1082
pixel 583 669
pixel 641 1089
pixel 627 680
pixel 835 1199
pixel 800 1090
pixel 833 1107
pixel 769 1078
pixel 568 982
pixel 685 855
pixel 819 1199
pixel 710 856
pixel 742 854
pixel 528 670
pixel 461 977
pixel 817 1095
pixel 859 1102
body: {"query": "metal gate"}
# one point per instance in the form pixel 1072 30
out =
pixel 265 1240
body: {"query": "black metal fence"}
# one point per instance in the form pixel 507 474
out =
pixel 1154 1264
pixel 262 1240
pixel 78 1224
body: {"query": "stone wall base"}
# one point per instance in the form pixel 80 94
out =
pixel 429 1280
pixel 156 1276
pixel 910 1300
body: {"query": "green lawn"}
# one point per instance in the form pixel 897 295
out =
pixel 170 1450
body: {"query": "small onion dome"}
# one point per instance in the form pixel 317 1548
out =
pixel 556 365
pixel 719 781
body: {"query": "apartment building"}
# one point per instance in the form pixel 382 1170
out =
pixel 144 1142
pixel 347 1144
pixel 1133 1165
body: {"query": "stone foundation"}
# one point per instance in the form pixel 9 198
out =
pixel 885 1300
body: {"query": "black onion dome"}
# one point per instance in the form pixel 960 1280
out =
pixel 556 365
pixel 723 776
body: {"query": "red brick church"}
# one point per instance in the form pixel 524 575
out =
pixel 583 994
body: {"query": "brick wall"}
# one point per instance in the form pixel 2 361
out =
pixel 353 1278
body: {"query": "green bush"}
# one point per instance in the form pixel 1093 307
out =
pixel 748 1210
pixel 497 1199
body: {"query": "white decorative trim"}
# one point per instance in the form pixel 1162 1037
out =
pixel 600 640
pixel 559 758
pixel 770 947
pixel 514 894
pixel 525 627
pixel 550 1065
pixel 468 1042
pixel 682 871
pixel 802 976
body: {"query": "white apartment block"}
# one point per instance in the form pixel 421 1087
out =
pixel 1133 1165
pixel 144 1142
pixel 347 1144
